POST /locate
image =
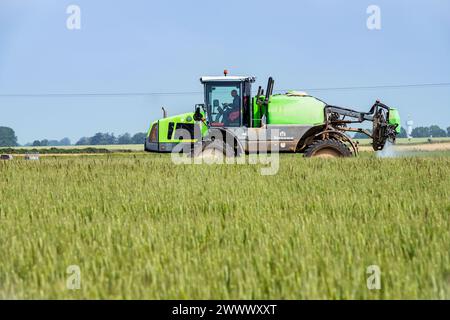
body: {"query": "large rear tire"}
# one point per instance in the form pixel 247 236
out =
pixel 329 148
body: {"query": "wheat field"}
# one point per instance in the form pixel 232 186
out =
pixel 140 227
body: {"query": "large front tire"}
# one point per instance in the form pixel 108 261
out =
pixel 214 152
pixel 329 148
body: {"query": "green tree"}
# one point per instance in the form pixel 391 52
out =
pixel 53 143
pixel 437 132
pixel 64 142
pixel 421 132
pixel 139 138
pixel 448 132
pixel 124 139
pixel 7 137
pixel 97 139
pixel 103 139
pixel 84 141
pixel 36 143
pixel 402 133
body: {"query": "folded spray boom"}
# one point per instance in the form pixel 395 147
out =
pixel 385 122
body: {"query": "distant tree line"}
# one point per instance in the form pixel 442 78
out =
pixel 8 138
pixel 50 143
pixel 433 131
pixel 109 138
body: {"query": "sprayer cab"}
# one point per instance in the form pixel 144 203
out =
pixel 228 100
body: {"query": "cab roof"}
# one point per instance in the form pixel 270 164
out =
pixel 226 79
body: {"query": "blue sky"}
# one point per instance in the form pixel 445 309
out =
pixel 165 46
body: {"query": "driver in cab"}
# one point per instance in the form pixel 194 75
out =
pixel 234 108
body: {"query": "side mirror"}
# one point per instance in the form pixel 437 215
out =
pixel 198 114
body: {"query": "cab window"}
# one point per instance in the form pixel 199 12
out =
pixel 224 104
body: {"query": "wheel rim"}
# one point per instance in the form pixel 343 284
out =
pixel 212 155
pixel 327 153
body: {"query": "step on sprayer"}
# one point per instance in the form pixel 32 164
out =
pixel 232 122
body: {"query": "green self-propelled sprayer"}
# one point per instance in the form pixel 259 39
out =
pixel 233 121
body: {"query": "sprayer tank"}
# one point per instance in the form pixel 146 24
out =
pixel 291 109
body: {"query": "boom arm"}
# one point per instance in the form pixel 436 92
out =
pixel 382 128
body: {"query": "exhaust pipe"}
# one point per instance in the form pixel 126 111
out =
pixel 269 90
